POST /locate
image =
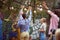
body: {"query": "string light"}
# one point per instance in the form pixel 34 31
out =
pixel 34 11
pixel 11 7
pixel 40 9
pixel 25 9
pixel 40 5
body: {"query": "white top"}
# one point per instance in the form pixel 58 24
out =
pixel 43 26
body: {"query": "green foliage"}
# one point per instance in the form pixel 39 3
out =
pixel 31 30
pixel 41 14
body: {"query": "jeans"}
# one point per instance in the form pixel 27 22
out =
pixel 42 36
pixel 53 38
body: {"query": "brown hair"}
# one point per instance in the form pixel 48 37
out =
pixel 44 19
pixel 24 16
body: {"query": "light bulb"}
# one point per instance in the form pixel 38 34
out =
pixel 40 9
pixel 12 7
pixel 49 11
pixel 40 5
pixel 25 9
pixel 34 11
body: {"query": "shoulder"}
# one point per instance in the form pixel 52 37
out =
pixel 44 24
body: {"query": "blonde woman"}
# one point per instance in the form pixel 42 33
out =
pixel 43 29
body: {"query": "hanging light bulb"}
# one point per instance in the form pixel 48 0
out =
pixel 11 7
pixel 40 9
pixel 25 9
pixel 34 11
pixel 40 5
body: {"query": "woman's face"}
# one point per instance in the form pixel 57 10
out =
pixel 41 20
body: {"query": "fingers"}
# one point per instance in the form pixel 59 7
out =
pixel 44 4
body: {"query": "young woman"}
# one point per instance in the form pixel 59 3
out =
pixel 43 29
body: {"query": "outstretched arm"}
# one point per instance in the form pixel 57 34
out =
pixel 53 15
pixel 50 12
pixel 20 14
pixel 30 16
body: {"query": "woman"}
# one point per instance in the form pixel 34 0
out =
pixel 43 29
